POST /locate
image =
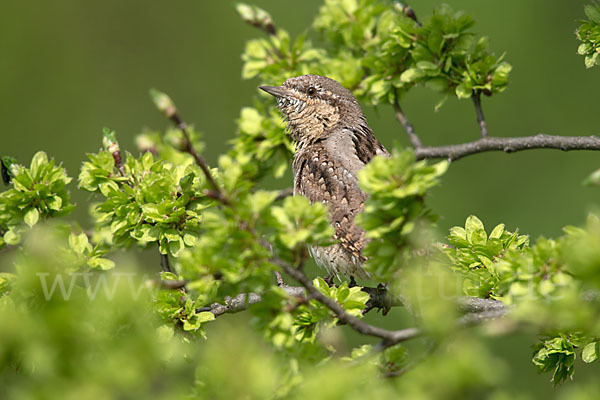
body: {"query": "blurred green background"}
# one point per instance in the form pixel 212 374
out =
pixel 69 68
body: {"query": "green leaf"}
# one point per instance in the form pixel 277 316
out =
pixel 176 247
pixel 427 65
pixel 591 352
pixel 464 91
pixel 411 75
pixel 205 316
pixel 475 230
pixel 190 239
pixel 150 233
pixel 194 322
pixel 78 243
pixel 54 203
pixel 593 12
pixel 251 121
pixel 172 235
pixel 191 325
pixel 101 263
pixel 489 265
pixel 37 162
pixel 32 216
pixel 168 276
pixel 591 60
pixel 458 232
pixel 584 48
pixel 497 231
pixel 12 237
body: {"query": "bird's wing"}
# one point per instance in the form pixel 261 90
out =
pixel 323 179
pixel 366 146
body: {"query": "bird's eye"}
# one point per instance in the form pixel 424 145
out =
pixel 311 91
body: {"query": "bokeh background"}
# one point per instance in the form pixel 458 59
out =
pixel 69 68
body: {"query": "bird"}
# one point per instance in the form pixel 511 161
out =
pixel 333 141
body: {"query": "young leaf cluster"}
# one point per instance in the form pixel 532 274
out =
pixel 588 34
pixel 473 254
pixel 261 133
pixel 557 355
pixel 146 201
pixel 544 283
pixel 396 187
pixel 396 52
pixel 294 325
pixel 374 48
pixel 37 193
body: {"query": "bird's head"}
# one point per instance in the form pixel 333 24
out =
pixel 314 105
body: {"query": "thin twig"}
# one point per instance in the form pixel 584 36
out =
pixel 477 318
pixel 469 304
pixel 167 107
pixel 164 263
pixel 509 145
pixel 410 130
pixel 480 117
pixel 6 177
pixel 189 148
pixel 390 337
pixel 232 305
pixel 241 302
pixel 283 193
pixel 172 285
pixel 379 298
pixel 112 146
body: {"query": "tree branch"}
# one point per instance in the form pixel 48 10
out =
pixel 476 305
pixel 509 145
pixel 410 130
pixel 200 161
pixel 476 318
pixel 232 305
pixel 283 193
pixel 379 299
pixel 390 337
pixel 166 106
pixel 164 263
pixel 172 284
pixel 242 301
pixel 480 118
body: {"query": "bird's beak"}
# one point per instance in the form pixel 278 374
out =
pixel 277 91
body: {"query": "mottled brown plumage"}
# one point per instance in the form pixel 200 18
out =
pixel 333 142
